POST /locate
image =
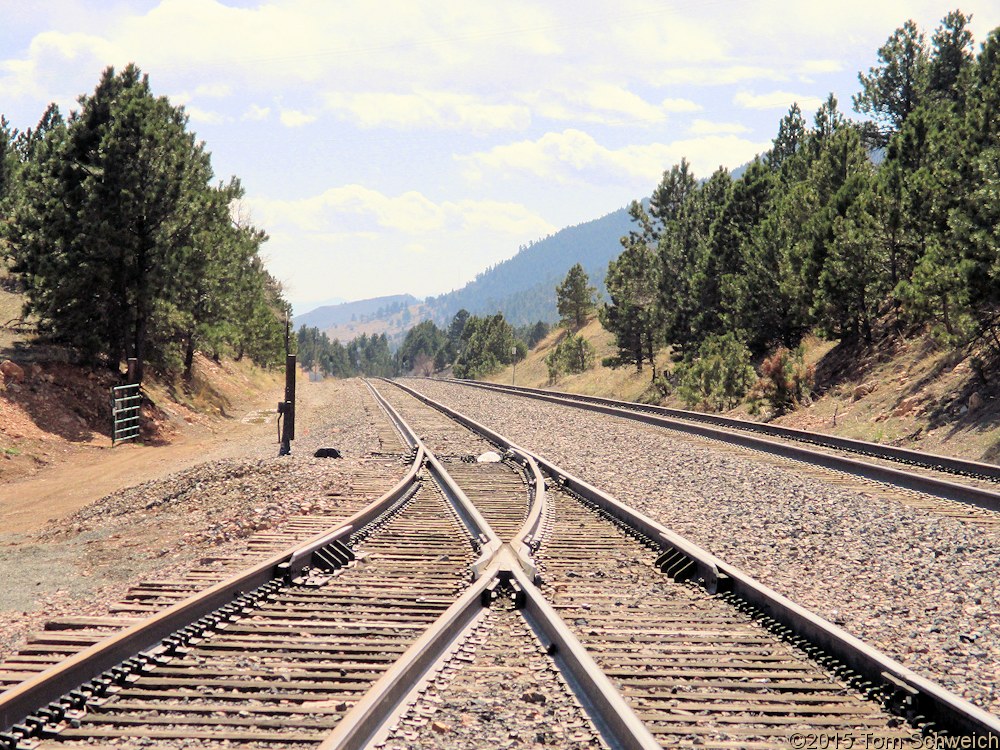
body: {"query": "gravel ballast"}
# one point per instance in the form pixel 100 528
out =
pixel 921 587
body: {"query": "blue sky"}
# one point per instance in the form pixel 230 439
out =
pixel 402 146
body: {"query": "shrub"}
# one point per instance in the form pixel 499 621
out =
pixel 718 376
pixel 574 354
pixel 785 380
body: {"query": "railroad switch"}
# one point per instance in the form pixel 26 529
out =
pixel 489 594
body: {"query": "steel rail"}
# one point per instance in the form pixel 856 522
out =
pixel 379 705
pixel 467 512
pixel 928 698
pixel 388 697
pixel 614 718
pixel 983 498
pixel 33 694
pixel 933 461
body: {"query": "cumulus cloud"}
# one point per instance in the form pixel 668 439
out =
pixel 215 90
pixel 707 127
pixel 605 103
pixel 776 100
pixel 429 109
pixel 715 74
pixel 810 67
pixel 356 209
pixel 256 112
pixel 417 245
pixel 199 115
pixel 574 155
pixel 293 118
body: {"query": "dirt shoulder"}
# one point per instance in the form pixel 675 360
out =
pixel 175 506
pixel 80 478
pixel 52 472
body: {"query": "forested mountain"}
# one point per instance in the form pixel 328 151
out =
pixel 330 316
pixel 523 287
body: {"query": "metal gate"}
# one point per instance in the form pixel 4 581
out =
pixel 126 403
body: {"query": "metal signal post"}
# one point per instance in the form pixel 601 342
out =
pixel 286 408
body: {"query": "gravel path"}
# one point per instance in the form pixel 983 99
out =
pixel 921 587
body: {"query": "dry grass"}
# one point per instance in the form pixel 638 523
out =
pixel 920 399
pixel 623 382
pixel 915 395
pixel 10 312
pixel 222 389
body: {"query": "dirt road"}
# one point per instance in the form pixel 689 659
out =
pixel 59 490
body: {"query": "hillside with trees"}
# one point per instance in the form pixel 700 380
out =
pixel 361 311
pixel 819 236
pixel 521 287
pixel 471 346
pixel 123 244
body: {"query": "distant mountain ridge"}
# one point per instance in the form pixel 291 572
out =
pixel 330 316
pixel 523 287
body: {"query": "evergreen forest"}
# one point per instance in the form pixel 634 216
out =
pixel 841 227
pixel 114 228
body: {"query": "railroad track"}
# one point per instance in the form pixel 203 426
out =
pixel 960 488
pixel 337 642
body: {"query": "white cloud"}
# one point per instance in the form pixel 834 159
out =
pixel 604 103
pixel 434 109
pixel 715 74
pixel 707 127
pixel 416 244
pixel 199 115
pixel 810 67
pixel 214 90
pixel 256 112
pixel 572 156
pixel 293 118
pixel 680 105
pixel 776 100
pixel 355 209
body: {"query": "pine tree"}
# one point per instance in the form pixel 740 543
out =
pixel 790 138
pixel 575 298
pixel 951 57
pixel 633 313
pixel 124 248
pixel 894 88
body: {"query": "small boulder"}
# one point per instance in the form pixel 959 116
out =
pixel 11 371
pixel 975 402
pixel 533 696
pixel 860 391
pixel 327 453
pixel 906 406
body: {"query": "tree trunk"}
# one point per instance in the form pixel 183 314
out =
pixel 650 353
pixel 189 358
pixel 946 315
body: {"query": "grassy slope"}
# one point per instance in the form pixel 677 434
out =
pixel 623 382
pixel 919 395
